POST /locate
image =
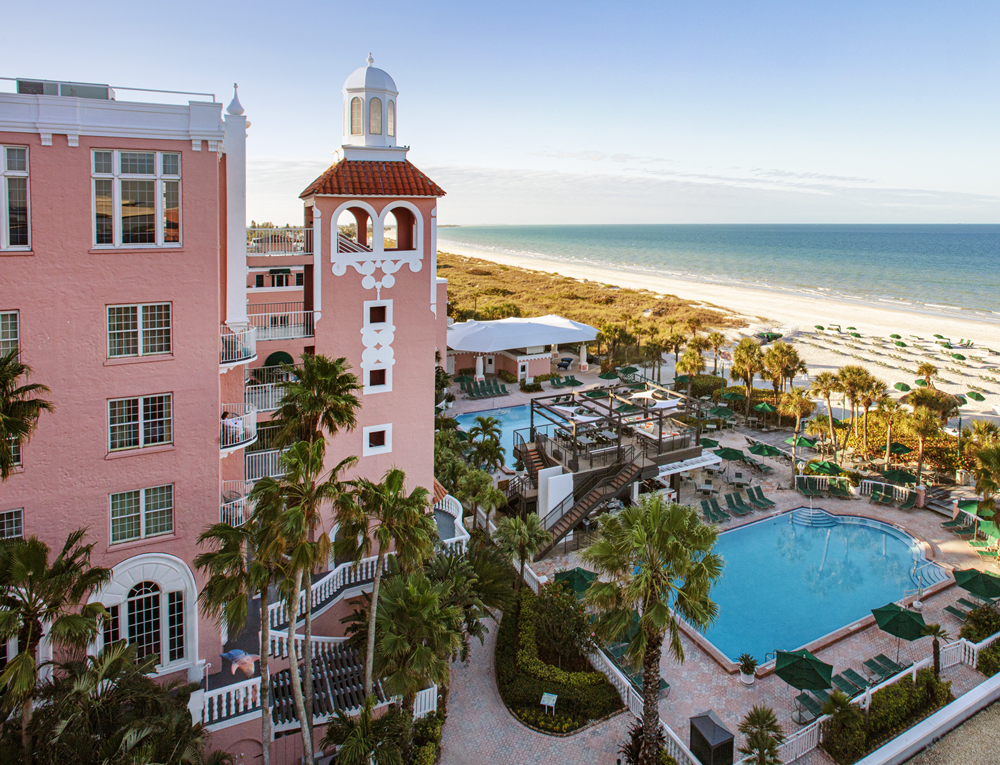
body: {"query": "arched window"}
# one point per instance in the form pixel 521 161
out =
pixel 375 116
pixel 144 619
pixel 141 621
pixel 357 117
pixel 391 119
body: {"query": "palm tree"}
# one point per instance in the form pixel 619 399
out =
pixel 35 594
pixel 675 343
pixel 796 403
pixel 764 736
pixel 692 324
pixel 658 565
pixel 485 438
pixel 245 561
pixel 418 633
pixel 875 391
pixel 523 539
pixel 366 739
pixel 476 487
pixel 746 364
pixel 937 632
pixel 891 410
pixel 319 396
pixel 717 340
pixel 980 435
pixel 825 385
pixel 852 380
pixel 19 408
pixel 773 362
pixel 987 473
pixel 691 364
pixel 384 515
pixel 922 424
pixel 926 371
pixel 107 709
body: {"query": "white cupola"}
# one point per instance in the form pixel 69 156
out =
pixel 371 119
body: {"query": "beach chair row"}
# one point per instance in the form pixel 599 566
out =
pixel 486 389
pixel 971 605
pixel 851 683
pixel 807 486
pixel 569 381
pixel 735 505
pixel 885 496
pixel 964 527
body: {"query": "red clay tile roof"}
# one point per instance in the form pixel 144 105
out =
pixel 365 178
pixel 439 491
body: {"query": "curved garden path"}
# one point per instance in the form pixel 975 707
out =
pixel 480 729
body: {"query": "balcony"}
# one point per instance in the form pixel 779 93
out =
pixel 238 426
pixel 262 389
pixel 237 346
pixel 280 321
pixel 279 242
pixel 235 505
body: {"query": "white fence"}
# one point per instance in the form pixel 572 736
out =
pixel 342 577
pixel 257 465
pixel 453 507
pixel 899 493
pixel 238 426
pixel 427 702
pixel 279 242
pixel 235 512
pixel 278 644
pixel 237 346
pixel 287 325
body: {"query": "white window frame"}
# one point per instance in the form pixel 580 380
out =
pixel 140 400
pixel 116 177
pixel 140 344
pixel 4 175
pixel 390 118
pixel 17 331
pixel 371 451
pixel 369 333
pixel 16 516
pixel 142 515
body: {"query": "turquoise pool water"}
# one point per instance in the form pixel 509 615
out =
pixel 786 584
pixel 511 418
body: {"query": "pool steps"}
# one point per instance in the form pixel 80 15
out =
pixel 813 517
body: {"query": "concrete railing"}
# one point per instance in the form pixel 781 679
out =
pixel 238 426
pixel 453 507
pixel 278 644
pixel 237 346
pixel 230 701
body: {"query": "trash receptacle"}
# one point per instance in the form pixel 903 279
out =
pixel 711 742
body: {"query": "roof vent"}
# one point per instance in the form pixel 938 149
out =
pixel 70 89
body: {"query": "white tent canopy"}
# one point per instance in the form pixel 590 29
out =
pixel 507 334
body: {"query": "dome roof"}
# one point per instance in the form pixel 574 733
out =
pixel 370 78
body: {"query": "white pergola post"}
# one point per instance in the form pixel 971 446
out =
pixel 555 350
pixel 479 369
pixel 584 366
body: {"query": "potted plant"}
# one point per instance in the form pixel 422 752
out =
pixel 748 668
pixel 450 398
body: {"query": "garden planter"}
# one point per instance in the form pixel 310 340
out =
pixel 747 680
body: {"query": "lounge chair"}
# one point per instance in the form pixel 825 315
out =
pixel 801 486
pixel 965 533
pixel 503 389
pixel 894 667
pixel 887 497
pixel 719 512
pixel 737 508
pixel 838 490
pixel 910 502
pixel 969 604
pixel 707 511
pixel 855 678
pixel 554 381
pixel 811 706
pixel 963 521
pixel 876 495
pixel 814 487
pixel 957 613
pixel 751 501
pixel 760 495
pixel 877 671
pixel 841 683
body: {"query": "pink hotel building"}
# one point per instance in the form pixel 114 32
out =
pixel 134 289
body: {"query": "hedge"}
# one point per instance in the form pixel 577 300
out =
pixel 527 653
pixel 980 624
pixel 527 387
pixel 426 754
pixel 989 660
pixel 507 377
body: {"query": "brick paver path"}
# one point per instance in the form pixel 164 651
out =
pixel 479 728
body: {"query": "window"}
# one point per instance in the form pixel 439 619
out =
pixel 137 198
pixel 299 279
pixel 175 625
pixel 376 438
pixel 141 615
pixel 375 116
pixel 142 513
pixel 391 120
pixel 357 117
pixel 139 330
pixel 279 280
pixel 144 619
pixel 11 524
pixel 376 377
pixel 376 314
pixel 112 625
pixel 9 329
pixel 135 423
pixel 15 451
pixel 14 196
pixel 258 280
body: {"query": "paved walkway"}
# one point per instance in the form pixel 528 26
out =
pixel 480 729
pixel 976 742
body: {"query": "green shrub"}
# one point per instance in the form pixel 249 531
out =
pixel 631 748
pixel 535 387
pixel 507 377
pixel 427 730
pixel 539 718
pixel 703 385
pixel 844 734
pixel 989 660
pixel 543 378
pixel 980 624
pixel 527 654
pixel 465 371
pixel 425 755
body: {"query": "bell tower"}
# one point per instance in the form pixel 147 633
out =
pixel 371 117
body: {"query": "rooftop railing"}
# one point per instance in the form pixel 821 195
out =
pixel 279 242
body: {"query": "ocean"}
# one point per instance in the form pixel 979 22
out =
pixel 930 267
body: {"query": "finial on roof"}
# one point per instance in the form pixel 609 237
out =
pixel 235 107
pixel 370 59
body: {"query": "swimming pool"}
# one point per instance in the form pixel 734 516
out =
pixel 511 418
pixel 796 577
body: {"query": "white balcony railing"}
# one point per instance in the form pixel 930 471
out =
pixel 257 465
pixel 238 426
pixel 237 346
pixel 235 506
pixel 283 325
pixel 264 398
pixel 231 701
pixel 279 242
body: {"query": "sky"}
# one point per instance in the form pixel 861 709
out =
pixel 586 112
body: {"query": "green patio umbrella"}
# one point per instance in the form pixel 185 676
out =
pixel 578 579
pixel 682 380
pixel 855 334
pixel 902 387
pixel 628 370
pixel 982 584
pixel 733 455
pixel 976 395
pixel 602 393
pixel 920 383
pixel 850 328
pixel 958 356
pixel 825 468
pixel 820 327
pixel 968 505
pixel 708 443
pixel 764 450
pixel 463 378
pixel 608 375
pixel 896 337
pixel 628 409
pixel 803 671
pixel 900 344
pixel 962 400
pixel 733 395
pixel 764 406
pixel 989 529
pixel 897 448
pixel 720 411
pixel 899 476
pixel 899 622
pixel 800 441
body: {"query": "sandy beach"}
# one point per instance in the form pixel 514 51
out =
pixel 795 314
